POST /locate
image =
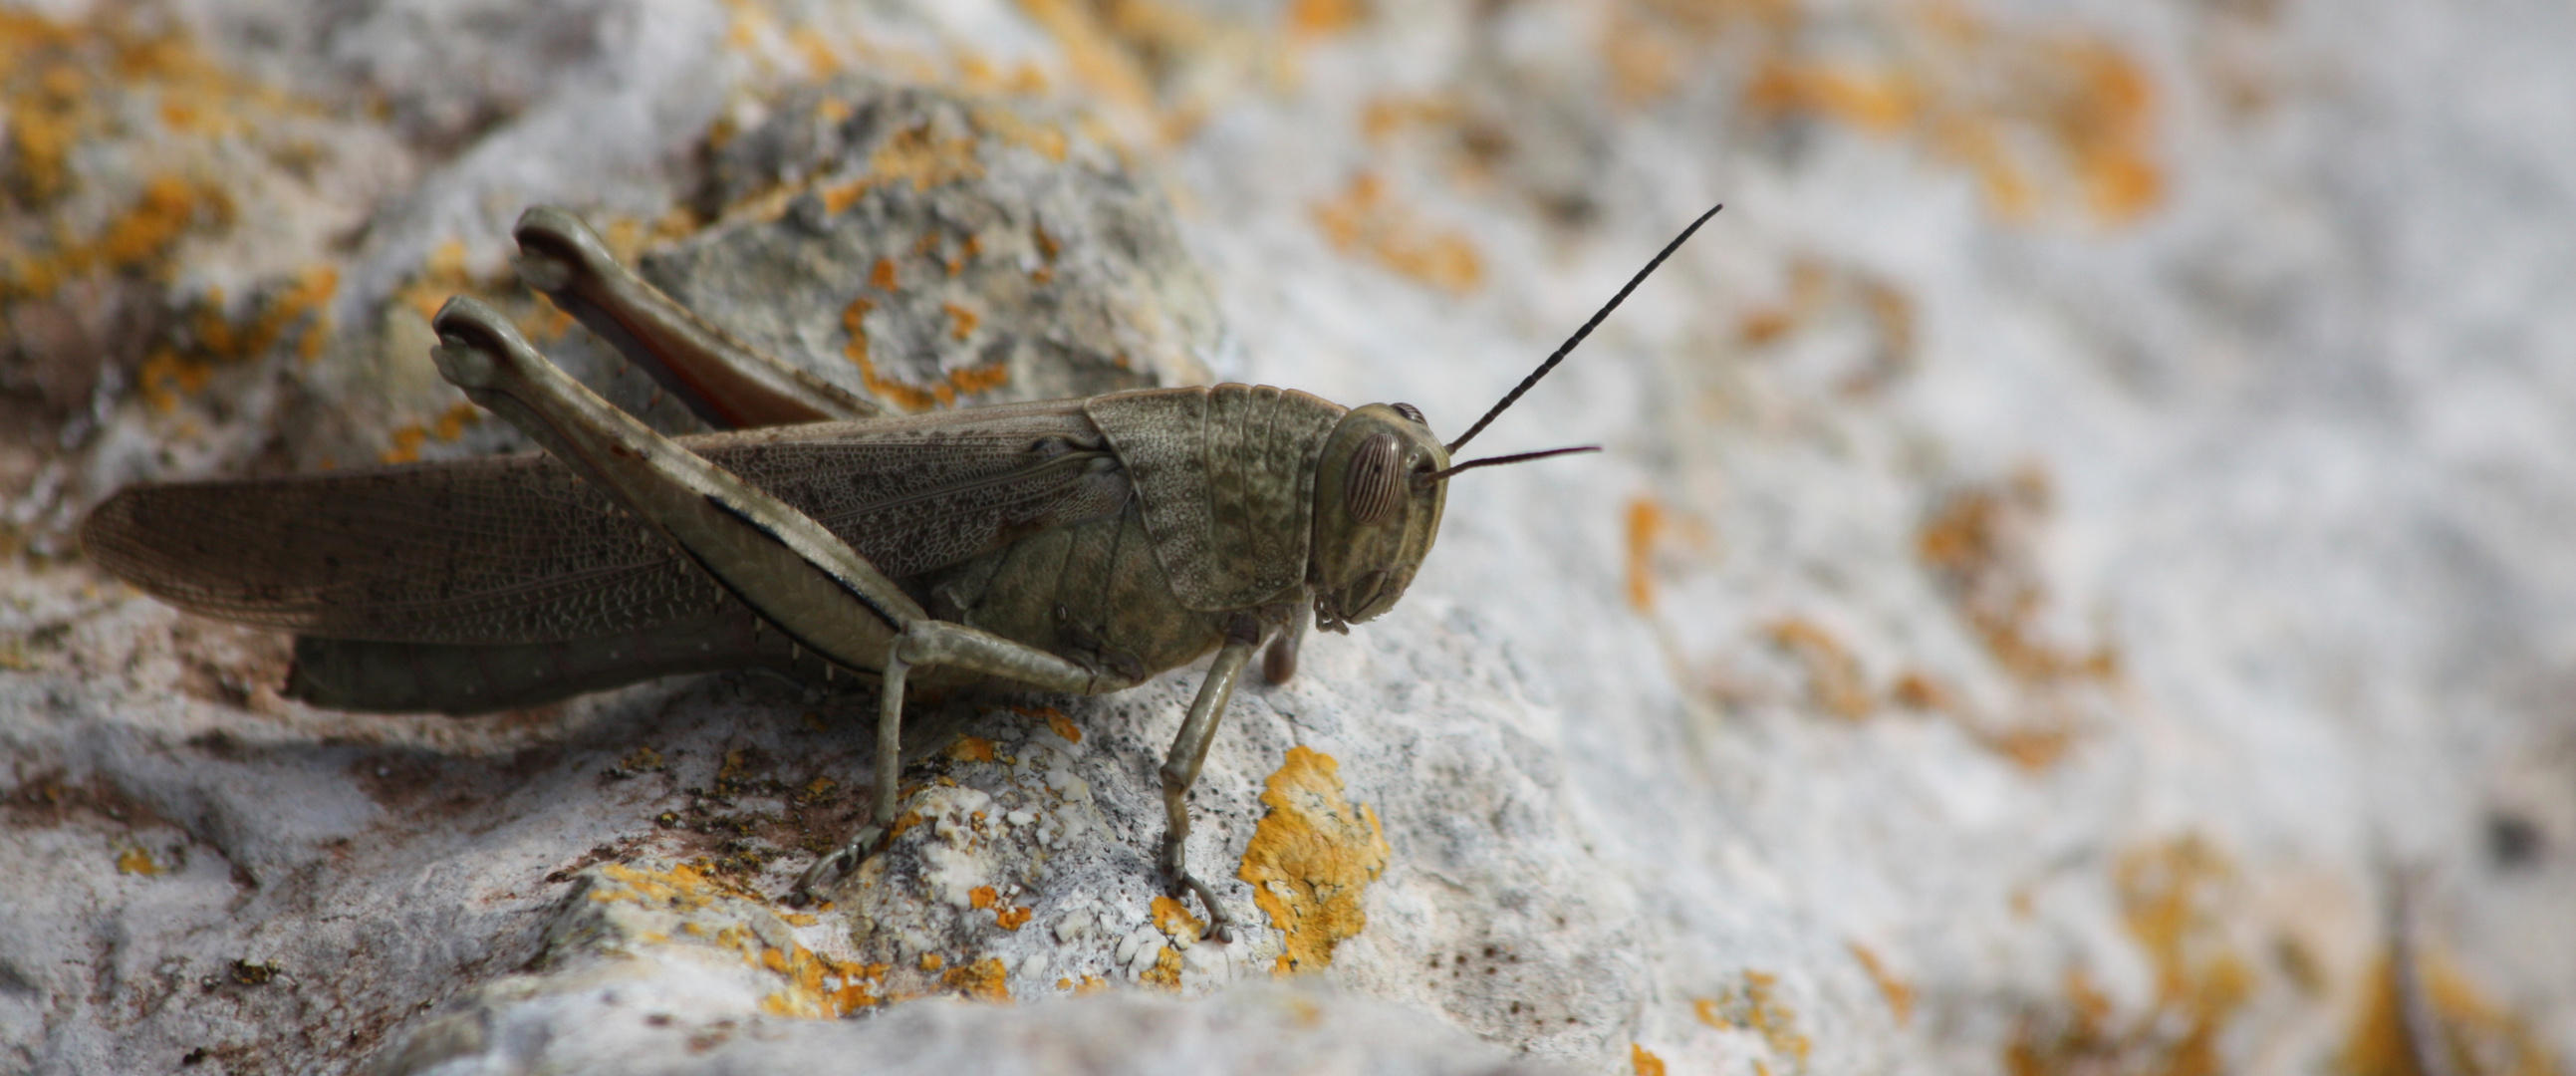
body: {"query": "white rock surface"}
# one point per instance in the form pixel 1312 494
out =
pixel 2090 511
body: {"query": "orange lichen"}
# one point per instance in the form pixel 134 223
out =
pixel 442 276
pixel 1309 19
pixel 2171 897
pixel 1755 1006
pixel 903 395
pixel 1099 62
pixel 1645 523
pixel 1879 102
pixel 407 439
pixel 139 240
pixel 167 376
pixel 961 321
pixel 1644 63
pixel 1643 1061
pixel 1898 992
pixel 1055 719
pixel 982 896
pixel 933 962
pixel 1979 544
pixel 1166 972
pixel 2481 1037
pixel 818 987
pixel 2038 118
pixel 882 277
pixel 1013 918
pixel 921 156
pixel 1311 859
pixel 1834 677
pixel 982 980
pixel 1382 117
pixel 1364 220
pixel 1174 919
pixel 138 861
pixel 452 422
pixel 2033 747
pixel 971 749
pixel 1014 129
pixel 814 49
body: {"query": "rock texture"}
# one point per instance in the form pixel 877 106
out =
pixel 2082 536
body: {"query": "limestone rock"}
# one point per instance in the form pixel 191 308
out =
pixel 2085 519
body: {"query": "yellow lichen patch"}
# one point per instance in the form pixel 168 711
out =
pixel 1055 720
pixel 983 980
pixel 903 395
pixel 1174 919
pixel 1644 63
pixel 1311 859
pixel 2039 118
pixel 1097 59
pixel 409 437
pixel 443 275
pixel 982 896
pixel 1834 678
pixel 406 444
pixel 2171 896
pixel 818 987
pixel 1013 918
pixel 2033 747
pixel 139 240
pixel 1978 543
pixel 138 861
pixel 451 423
pixel 1364 220
pixel 1383 117
pixel 925 159
pixel 167 376
pixel 1014 129
pixel 971 749
pixel 1166 972
pixel 1643 1061
pixel 682 888
pixel 1755 1006
pixel 1309 19
pixel 2480 1036
pixel 1645 523
pixel 1898 992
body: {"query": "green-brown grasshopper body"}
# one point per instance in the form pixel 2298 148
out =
pixel 1073 545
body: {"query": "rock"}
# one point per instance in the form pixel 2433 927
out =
pixel 2077 526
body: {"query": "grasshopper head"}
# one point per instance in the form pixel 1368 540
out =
pixel 1383 481
pixel 1377 509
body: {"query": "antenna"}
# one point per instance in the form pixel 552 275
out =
pixel 1585 331
pixel 1497 461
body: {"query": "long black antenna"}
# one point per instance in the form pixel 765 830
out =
pixel 1497 461
pixel 1586 330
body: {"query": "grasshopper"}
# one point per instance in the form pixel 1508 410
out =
pixel 1080 546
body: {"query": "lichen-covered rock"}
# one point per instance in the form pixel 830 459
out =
pixel 2081 523
pixel 934 251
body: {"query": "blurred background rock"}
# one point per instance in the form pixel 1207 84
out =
pixel 2083 533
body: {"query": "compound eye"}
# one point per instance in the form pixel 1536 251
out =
pixel 1372 488
pixel 1409 411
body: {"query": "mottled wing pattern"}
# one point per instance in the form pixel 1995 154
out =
pixel 1226 477
pixel 520 550
pixel 924 492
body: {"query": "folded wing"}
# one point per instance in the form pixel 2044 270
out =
pixel 519 550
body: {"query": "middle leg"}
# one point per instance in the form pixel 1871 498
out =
pixel 1189 753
